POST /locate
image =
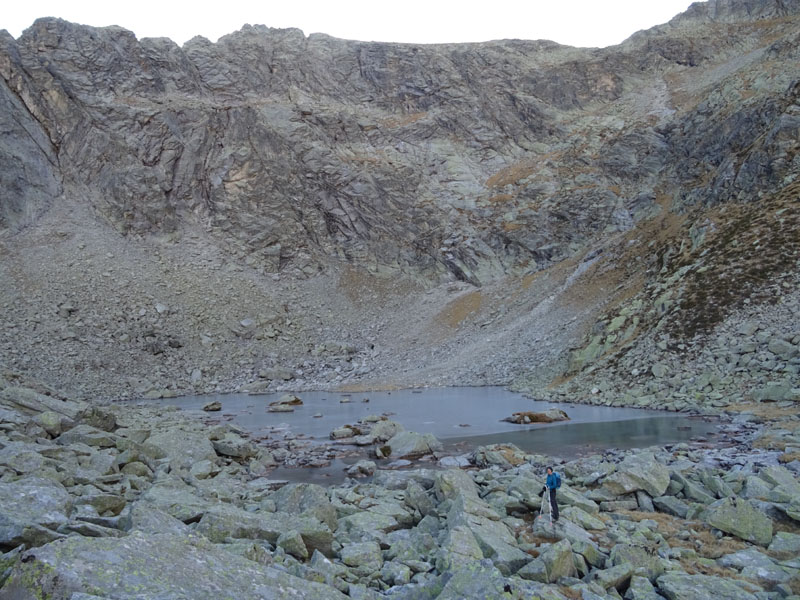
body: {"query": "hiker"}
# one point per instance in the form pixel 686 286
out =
pixel 551 485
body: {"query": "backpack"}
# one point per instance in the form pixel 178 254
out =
pixel 558 479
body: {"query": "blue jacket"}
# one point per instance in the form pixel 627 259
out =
pixel 551 481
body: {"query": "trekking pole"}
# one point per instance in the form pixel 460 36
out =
pixel 546 498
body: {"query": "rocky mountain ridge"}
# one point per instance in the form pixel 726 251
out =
pixel 193 218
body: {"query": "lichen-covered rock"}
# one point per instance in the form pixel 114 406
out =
pixel 682 586
pixel 477 581
pixel 182 448
pixel 740 518
pixel 409 444
pixel 640 588
pixel 306 500
pixel 555 562
pixel 451 483
pixel 365 558
pixel 86 434
pixel 222 521
pixel 151 566
pixel 786 543
pixel 292 543
pixel 639 471
pixel 234 446
pixel 177 499
pixel 458 548
pixel 644 559
pixel 672 506
pixel 502 455
pixel 31 509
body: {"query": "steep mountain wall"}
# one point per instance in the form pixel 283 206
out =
pixel 308 156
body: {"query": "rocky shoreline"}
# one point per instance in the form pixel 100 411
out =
pixel 148 502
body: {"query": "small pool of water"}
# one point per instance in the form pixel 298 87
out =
pixel 462 418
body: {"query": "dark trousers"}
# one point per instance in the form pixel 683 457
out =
pixel 553 503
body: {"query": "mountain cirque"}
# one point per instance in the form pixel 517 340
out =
pixel 187 219
pixel 615 226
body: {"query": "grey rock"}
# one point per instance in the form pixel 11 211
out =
pixel 31 509
pixel 221 522
pixel 395 573
pixel 363 468
pixel 306 500
pixel 477 581
pixel 148 519
pixel 177 499
pixel 640 588
pixel 408 444
pixel 738 517
pixel 681 586
pixel 292 543
pixel 182 448
pixel 786 543
pixel 554 563
pixel 234 446
pixel 639 471
pixel 86 434
pixel 365 558
pixel 672 506
pixel 161 565
pixel 459 548
pixel 618 576
pixel 782 348
pixel 644 559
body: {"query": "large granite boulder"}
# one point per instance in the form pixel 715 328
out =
pixel 177 499
pixel 638 472
pixel 458 548
pixel 151 566
pixel 478 581
pixel 222 522
pixel 409 444
pixel 682 586
pixel 365 558
pixel 182 448
pixel 306 499
pixel 740 518
pixel 31 509
pixel 554 563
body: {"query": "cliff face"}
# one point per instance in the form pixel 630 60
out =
pixel 474 162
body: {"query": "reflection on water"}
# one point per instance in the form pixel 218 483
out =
pixel 581 439
pixel 463 418
pixel 454 412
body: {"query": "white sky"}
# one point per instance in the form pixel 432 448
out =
pixel 573 22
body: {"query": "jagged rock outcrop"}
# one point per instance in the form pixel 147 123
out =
pixel 499 164
pixel 472 160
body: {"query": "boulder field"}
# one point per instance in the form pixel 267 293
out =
pixel 130 501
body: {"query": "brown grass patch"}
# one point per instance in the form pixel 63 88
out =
pixel 512 226
pixel 670 526
pixel 765 410
pixel 457 311
pixel 788 457
pixel 570 593
pixel 500 198
pixel 393 122
pixel 748 247
pixel 512 174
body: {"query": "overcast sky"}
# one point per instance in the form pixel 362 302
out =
pixel 573 22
